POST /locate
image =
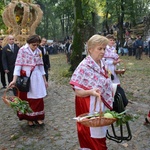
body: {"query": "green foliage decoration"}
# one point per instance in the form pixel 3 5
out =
pixel 20 105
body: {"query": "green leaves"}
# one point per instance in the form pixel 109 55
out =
pixel 122 117
pixel 20 105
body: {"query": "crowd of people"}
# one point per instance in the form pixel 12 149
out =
pixel 134 47
pixel 94 78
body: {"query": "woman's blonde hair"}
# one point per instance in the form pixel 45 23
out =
pixel 96 40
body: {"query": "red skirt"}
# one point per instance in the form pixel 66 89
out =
pixel 37 105
pixel 149 114
pixel 85 139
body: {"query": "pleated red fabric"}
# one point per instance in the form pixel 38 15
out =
pixel 85 140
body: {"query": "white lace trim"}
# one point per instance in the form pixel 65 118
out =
pixel 34 113
pixel 84 149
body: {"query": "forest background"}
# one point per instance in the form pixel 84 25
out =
pixel 80 19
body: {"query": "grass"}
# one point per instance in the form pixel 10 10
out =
pixel 137 66
pixel 136 79
pixel 59 69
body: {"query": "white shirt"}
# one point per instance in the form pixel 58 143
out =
pixel 11 47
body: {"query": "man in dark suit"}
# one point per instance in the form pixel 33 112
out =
pixel 68 50
pixel 9 54
pixel 3 80
pixel 139 47
pixel 45 56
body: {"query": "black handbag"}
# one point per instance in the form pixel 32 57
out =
pixel 120 100
pixel 23 83
pixel 118 103
pixel 123 132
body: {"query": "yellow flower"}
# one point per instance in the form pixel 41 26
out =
pixel 23 31
pixel 28 19
pixel 40 55
pixel 17 18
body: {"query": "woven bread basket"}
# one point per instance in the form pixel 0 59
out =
pixel 122 70
pixel 98 121
pixel 9 98
pixel 15 102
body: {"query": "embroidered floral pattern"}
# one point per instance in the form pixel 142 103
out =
pixel 110 53
pixel 25 57
pixel 89 75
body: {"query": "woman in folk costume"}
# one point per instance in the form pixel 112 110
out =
pixel 29 59
pixel 112 58
pixel 90 81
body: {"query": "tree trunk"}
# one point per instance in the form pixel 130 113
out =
pixel 46 25
pixel 106 22
pixel 78 45
pixel 93 23
pixel 62 25
pixel 67 26
pixel 133 19
pixel 120 24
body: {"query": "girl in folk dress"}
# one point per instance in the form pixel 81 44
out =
pixel 29 58
pixel 90 80
pixel 112 58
